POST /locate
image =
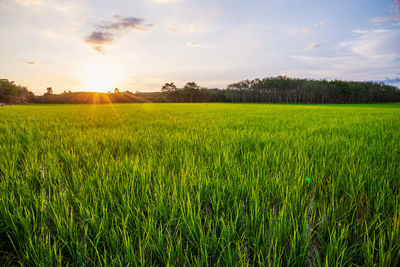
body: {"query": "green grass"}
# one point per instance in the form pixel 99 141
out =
pixel 200 184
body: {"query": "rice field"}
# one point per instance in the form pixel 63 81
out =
pixel 200 184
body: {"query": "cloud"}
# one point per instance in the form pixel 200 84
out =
pixel 29 2
pixel 172 30
pixel 50 6
pixel 299 31
pixel 321 23
pixel 368 54
pixel 386 19
pixel 377 44
pixel 313 46
pixel 98 39
pixel 30 62
pixel 193 44
pixel 187 28
pixel 397 2
pixel 106 31
pixel 123 23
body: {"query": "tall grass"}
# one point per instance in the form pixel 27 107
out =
pixel 200 184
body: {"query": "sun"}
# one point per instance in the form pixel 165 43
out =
pixel 100 78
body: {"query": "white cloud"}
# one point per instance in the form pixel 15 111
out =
pixel 45 6
pixel 313 46
pixel 187 29
pixel 385 19
pixel 298 31
pixel 376 44
pixel 368 54
pixel 173 31
pixel 29 2
pixel 321 23
pixel 397 2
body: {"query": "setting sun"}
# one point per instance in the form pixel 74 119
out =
pixel 100 78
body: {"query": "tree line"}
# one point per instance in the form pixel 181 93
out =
pixel 12 93
pixel 283 89
pixel 192 92
pixel 280 89
pixel 87 98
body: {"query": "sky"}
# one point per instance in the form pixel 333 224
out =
pixel 134 45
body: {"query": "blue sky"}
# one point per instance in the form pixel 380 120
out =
pixel 139 45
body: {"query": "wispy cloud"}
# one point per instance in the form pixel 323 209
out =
pixel 193 44
pixel 30 62
pixel 313 46
pixel 376 44
pixel 106 31
pixel 368 52
pixel 386 19
pixel 321 23
pixel 29 2
pixel 397 2
pixel 44 6
pixel 122 23
pixel 299 31
pixel 172 30
pixel 98 39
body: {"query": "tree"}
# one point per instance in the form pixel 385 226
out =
pixel 49 90
pixel 116 91
pixel 168 87
pixel 191 90
pixel 170 91
pixel 13 93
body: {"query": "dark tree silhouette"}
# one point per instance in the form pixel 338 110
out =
pixel 12 94
pixel 169 90
pixel 282 89
pixel 49 91
pixel 191 91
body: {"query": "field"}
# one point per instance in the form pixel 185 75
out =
pixel 200 184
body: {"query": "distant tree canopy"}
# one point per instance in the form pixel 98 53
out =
pixel 282 89
pixel 192 92
pixel 12 93
pixel 49 91
pixel 169 89
pixel 90 98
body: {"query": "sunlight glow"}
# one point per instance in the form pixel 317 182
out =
pixel 101 78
